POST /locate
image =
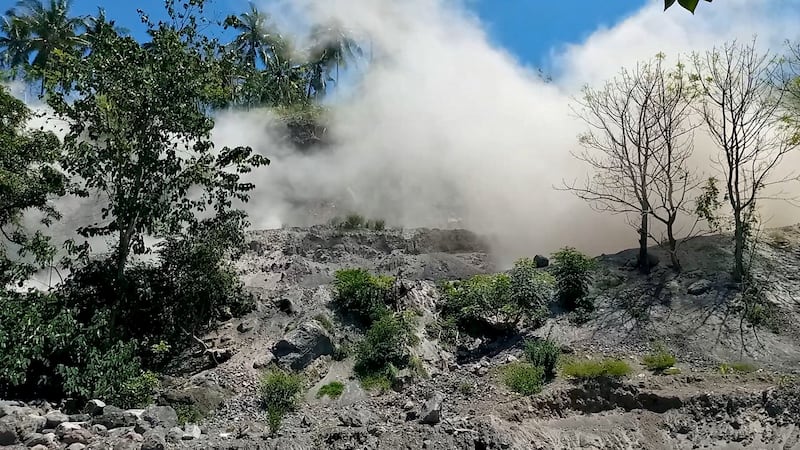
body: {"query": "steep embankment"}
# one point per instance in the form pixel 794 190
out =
pixel 455 398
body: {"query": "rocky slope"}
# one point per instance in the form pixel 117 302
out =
pixel 459 402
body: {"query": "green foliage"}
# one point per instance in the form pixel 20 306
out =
pixel 689 5
pixel 280 394
pixel 187 413
pixel 378 382
pixel 502 299
pixel 334 390
pixel 737 367
pixel 28 180
pixel 590 369
pixel 354 222
pixel 140 140
pixel 523 378
pixel 573 274
pixel 544 354
pixel 363 294
pixel 466 388
pixel 660 359
pixel 707 204
pixel 385 347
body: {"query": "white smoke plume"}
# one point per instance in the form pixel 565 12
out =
pixel 445 125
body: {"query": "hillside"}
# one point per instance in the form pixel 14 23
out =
pixel 732 386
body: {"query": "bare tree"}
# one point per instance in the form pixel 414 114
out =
pixel 638 144
pixel 741 108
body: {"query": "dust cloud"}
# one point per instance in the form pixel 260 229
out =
pixel 445 129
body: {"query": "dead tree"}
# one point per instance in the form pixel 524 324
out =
pixel 741 108
pixel 637 146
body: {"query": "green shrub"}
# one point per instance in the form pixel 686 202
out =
pixel 378 224
pixel 573 275
pixel 544 354
pixel 503 300
pixel 531 293
pixel 280 394
pixel 380 382
pixel 523 378
pixel 334 390
pixel 187 413
pixel 362 294
pixel 354 222
pixel 466 388
pixel 739 367
pixel 326 323
pixel 659 360
pixel 384 347
pixel 590 369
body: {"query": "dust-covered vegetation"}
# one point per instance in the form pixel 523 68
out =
pixel 280 394
pixel 583 369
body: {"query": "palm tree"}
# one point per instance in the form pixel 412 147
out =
pixel 258 41
pixel 332 47
pixel 14 48
pixel 39 28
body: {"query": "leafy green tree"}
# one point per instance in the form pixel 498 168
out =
pixel 332 47
pixel 139 129
pixel 258 41
pixel 573 273
pixel 690 5
pixel 40 29
pixel 28 180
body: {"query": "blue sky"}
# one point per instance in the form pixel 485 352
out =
pixel 529 29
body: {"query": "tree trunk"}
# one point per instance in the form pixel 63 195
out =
pixel 644 263
pixel 673 248
pixel 738 252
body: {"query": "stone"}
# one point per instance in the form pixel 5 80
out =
pixel 114 417
pixel 431 412
pixel 699 287
pixel 65 427
pixel 40 447
pixel 286 306
pixel 303 345
pixel 56 418
pixel 154 440
pixel 354 418
pixel 191 432
pixel 94 407
pixel 245 326
pixel 160 416
pixel 263 361
pixel 541 261
pixel 175 434
pixel 76 446
pixel 35 439
pixel 80 418
pixel 29 424
pixel 482 371
pixel 8 433
pixel 100 430
pixel 403 379
pixel 81 436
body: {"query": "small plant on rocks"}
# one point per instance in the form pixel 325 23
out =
pixel 544 354
pixel 523 378
pixel 334 390
pixel 591 369
pixel 363 294
pixel 660 359
pixel 280 394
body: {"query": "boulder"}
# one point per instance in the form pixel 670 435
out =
pixel 8 432
pixel 262 361
pixel 30 424
pixel 66 427
pixel 431 412
pixel 154 440
pixel 40 447
pixel 355 418
pixel 699 287
pixel 56 418
pixel 541 261
pixel 114 417
pixel 80 436
pixel 175 434
pixel 191 432
pixel 160 416
pixel 303 345
pixel 94 407
pixel 76 446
